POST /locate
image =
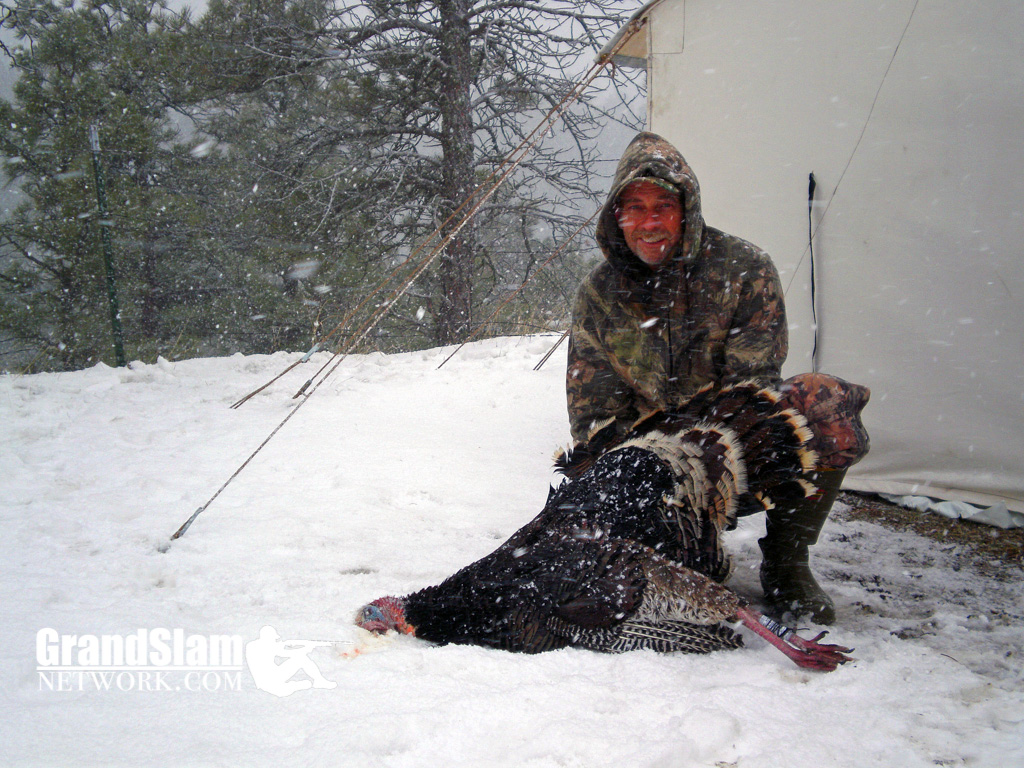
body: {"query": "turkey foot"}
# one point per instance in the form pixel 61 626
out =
pixel 809 654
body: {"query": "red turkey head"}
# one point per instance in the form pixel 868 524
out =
pixel 383 614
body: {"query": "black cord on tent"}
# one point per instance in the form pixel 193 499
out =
pixel 811 184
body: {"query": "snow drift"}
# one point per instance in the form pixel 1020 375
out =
pixel 391 477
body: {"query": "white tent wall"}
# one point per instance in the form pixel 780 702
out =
pixel 909 114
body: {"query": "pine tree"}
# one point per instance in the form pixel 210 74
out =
pixel 97 64
pixel 461 83
pixel 268 162
pixel 212 242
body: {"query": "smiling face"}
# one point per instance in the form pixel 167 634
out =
pixel 651 220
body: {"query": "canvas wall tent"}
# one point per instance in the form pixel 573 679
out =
pixel 910 115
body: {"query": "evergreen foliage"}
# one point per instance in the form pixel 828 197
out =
pixel 271 161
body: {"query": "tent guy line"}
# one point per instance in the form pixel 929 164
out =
pixel 853 153
pixel 509 165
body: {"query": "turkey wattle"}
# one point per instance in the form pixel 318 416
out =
pixel 627 554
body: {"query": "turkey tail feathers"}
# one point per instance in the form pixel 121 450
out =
pixel 577 460
pixel 744 445
pixel 833 408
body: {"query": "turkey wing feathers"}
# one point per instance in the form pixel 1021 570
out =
pixel 665 637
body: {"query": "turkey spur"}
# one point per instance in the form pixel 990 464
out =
pixel 627 554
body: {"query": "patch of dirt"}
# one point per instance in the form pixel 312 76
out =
pixel 992 551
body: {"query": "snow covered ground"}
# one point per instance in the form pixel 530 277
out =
pixel 391 477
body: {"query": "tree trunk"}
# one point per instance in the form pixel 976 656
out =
pixel 455 272
pixel 149 309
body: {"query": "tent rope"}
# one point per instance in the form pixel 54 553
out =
pixel 856 146
pixel 498 177
pixel 551 351
pixel 527 144
pixel 519 290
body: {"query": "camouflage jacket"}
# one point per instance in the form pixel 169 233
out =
pixel 644 339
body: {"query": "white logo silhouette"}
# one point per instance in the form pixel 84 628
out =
pixel 273 677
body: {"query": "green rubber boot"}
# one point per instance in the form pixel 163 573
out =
pixel 790 590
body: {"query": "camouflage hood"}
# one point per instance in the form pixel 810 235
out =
pixel 650 156
pixel 645 339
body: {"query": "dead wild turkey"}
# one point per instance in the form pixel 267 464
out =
pixel 627 554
